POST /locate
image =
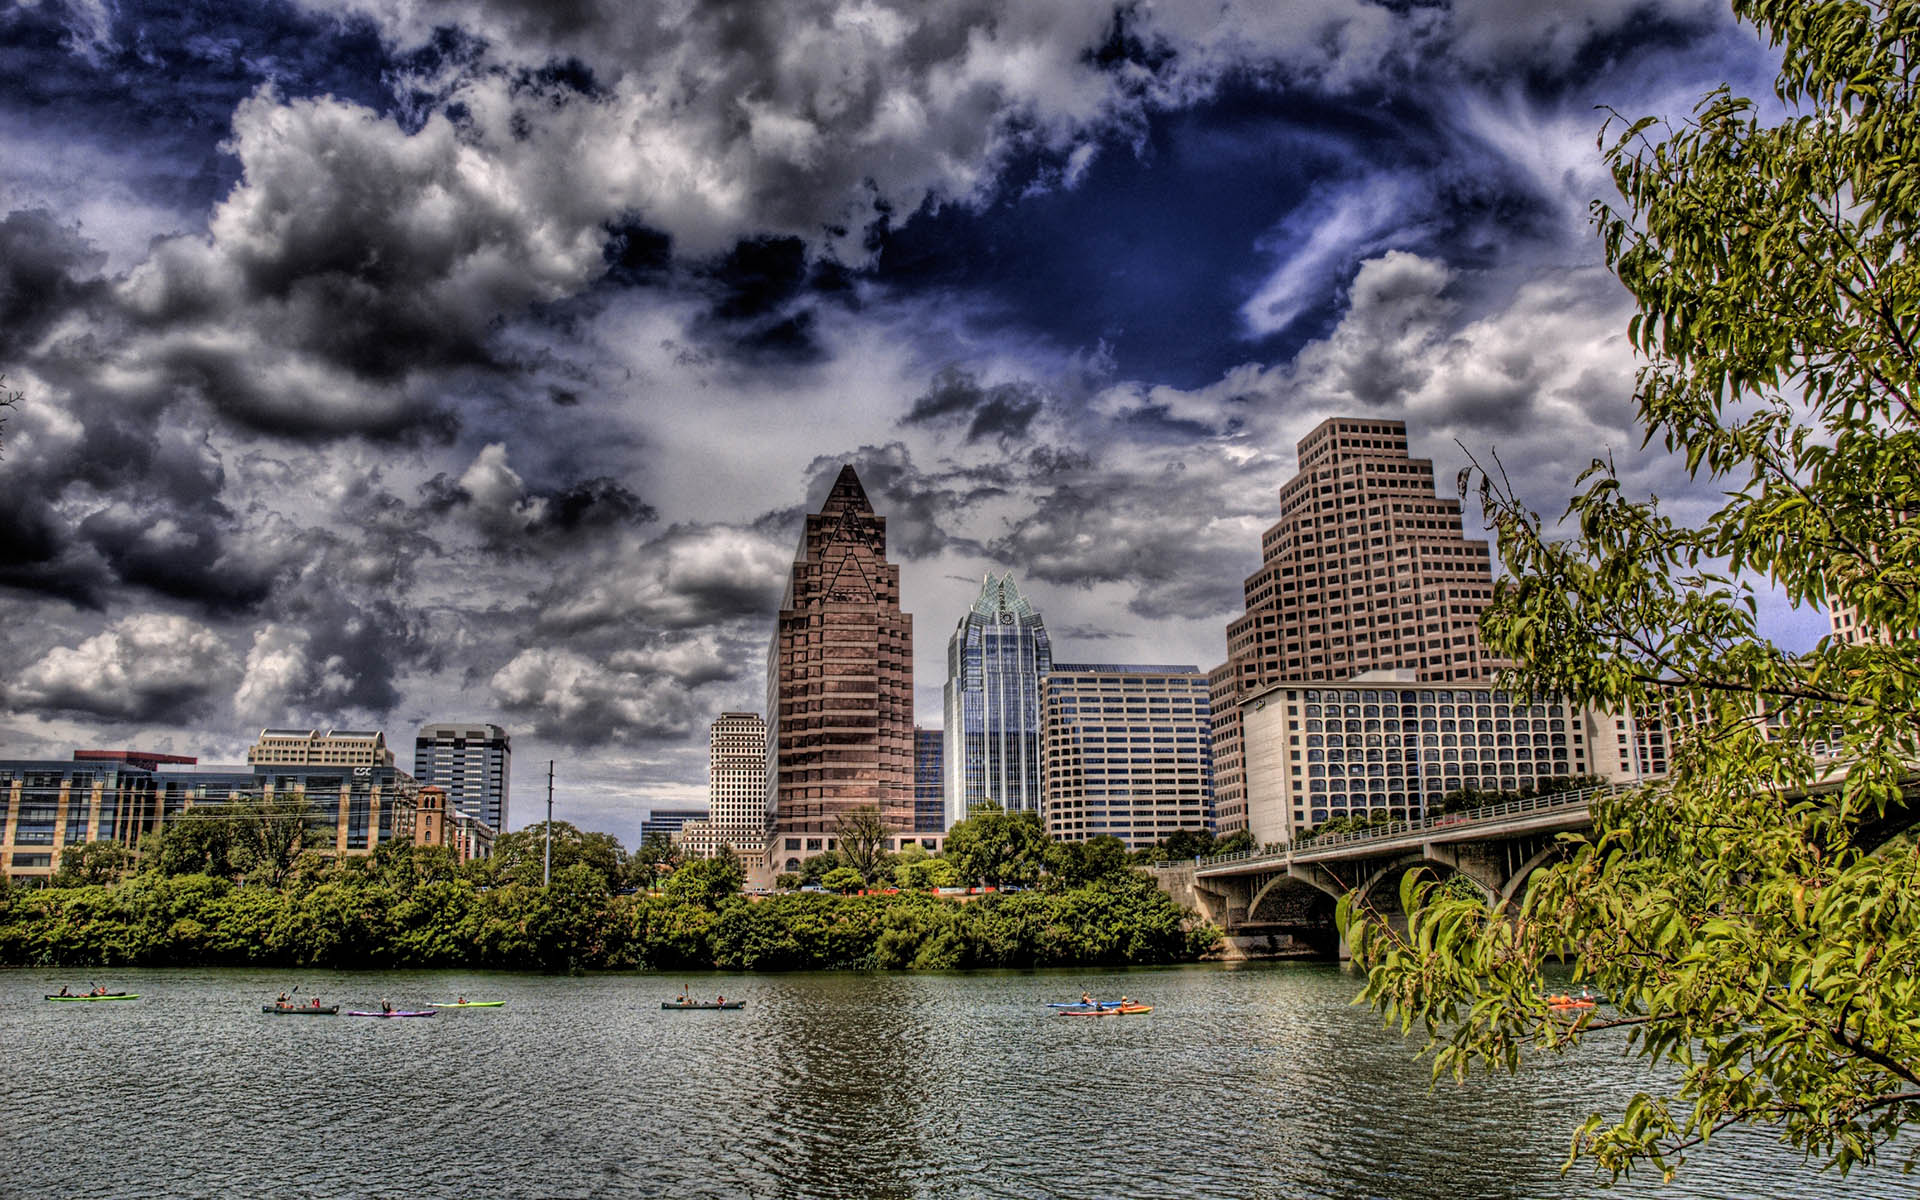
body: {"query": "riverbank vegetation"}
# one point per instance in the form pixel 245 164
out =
pixel 407 906
pixel 1750 917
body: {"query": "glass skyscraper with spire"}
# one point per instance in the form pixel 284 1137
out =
pixel 995 660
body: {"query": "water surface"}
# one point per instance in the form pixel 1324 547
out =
pixel 1252 1082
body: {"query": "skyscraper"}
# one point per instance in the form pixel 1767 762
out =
pixel 839 681
pixel 737 782
pixel 995 660
pixel 1367 569
pixel 1129 752
pixel 929 781
pixel 473 762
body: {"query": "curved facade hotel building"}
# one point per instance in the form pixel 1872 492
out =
pixel 839 682
pixel 1385 742
pixel 995 661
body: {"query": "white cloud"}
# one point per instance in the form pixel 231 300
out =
pixel 141 667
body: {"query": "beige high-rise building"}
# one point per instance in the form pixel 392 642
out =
pixel 839 682
pixel 1367 569
pixel 737 812
pixel 1126 752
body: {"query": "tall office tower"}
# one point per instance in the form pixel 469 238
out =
pixel 473 762
pixel 929 781
pixel 839 681
pixel 1129 752
pixel 1367 569
pixel 737 782
pixel 995 659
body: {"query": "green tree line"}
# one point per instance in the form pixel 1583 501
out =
pixel 217 893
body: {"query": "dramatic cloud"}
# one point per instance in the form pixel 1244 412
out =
pixel 388 362
pixel 574 700
pixel 142 668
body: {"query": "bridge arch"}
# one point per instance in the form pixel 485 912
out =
pixel 1514 890
pixel 1380 891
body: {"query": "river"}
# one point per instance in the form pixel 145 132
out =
pixel 1253 1082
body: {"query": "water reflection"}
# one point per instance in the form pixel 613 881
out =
pixel 1259 1082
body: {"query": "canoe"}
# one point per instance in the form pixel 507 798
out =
pixel 702 1004
pixel 299 1010
pixel 354 1012
pixel 108 996
pixel 1078 1004
pixel 465 1003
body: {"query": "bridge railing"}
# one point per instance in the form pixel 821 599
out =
pixel 1492 813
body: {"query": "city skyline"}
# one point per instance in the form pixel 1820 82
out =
pixel 373 374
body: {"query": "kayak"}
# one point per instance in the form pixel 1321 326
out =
pixel 1117 1011
pixel 703 1004
pixel 108 996
pixel 1096 1003
pixel 299 1010
pixel 354 1012
pixel 465 1003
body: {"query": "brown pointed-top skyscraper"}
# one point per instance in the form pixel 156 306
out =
pixel 839 682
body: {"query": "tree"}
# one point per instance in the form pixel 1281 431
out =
pixel 270 835
pixel 844 880
pixel 92 863
pixel 656 857
pixel 998 848
pixel 862 834
pixel 1076 864
pixel 1750 917
pixel 197 842
pixel 521 855
pixel 917 870
pixel 9 398
pixel 707 882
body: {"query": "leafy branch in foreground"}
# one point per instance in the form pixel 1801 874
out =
pixel 1753 918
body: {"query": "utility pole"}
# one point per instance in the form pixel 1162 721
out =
pixel 546 868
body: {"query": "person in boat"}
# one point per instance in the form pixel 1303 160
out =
pixel 721 1000
pixel 1086 998
pixel 386 1006
pixel 1125 1003
pixel 459 999
pixel 98 990
pixel 316 1002
pixel 64 991
pixel 283 1001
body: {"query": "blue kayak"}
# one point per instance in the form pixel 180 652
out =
pixel 1095 1004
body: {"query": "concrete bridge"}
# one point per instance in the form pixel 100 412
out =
pixel 1280 903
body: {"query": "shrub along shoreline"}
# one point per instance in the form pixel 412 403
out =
pixel 403 919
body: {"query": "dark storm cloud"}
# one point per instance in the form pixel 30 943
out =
pixel 921 508
pixel 165 77
pixel 1005 410
pixel 689 577
pixel 1154 531
pixel 766 296
pixel 47 270
pixel 516 519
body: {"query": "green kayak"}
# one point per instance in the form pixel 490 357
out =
pixel 108 996
pixel 465 1003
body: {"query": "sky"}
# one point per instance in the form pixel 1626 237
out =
pixel 387 362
